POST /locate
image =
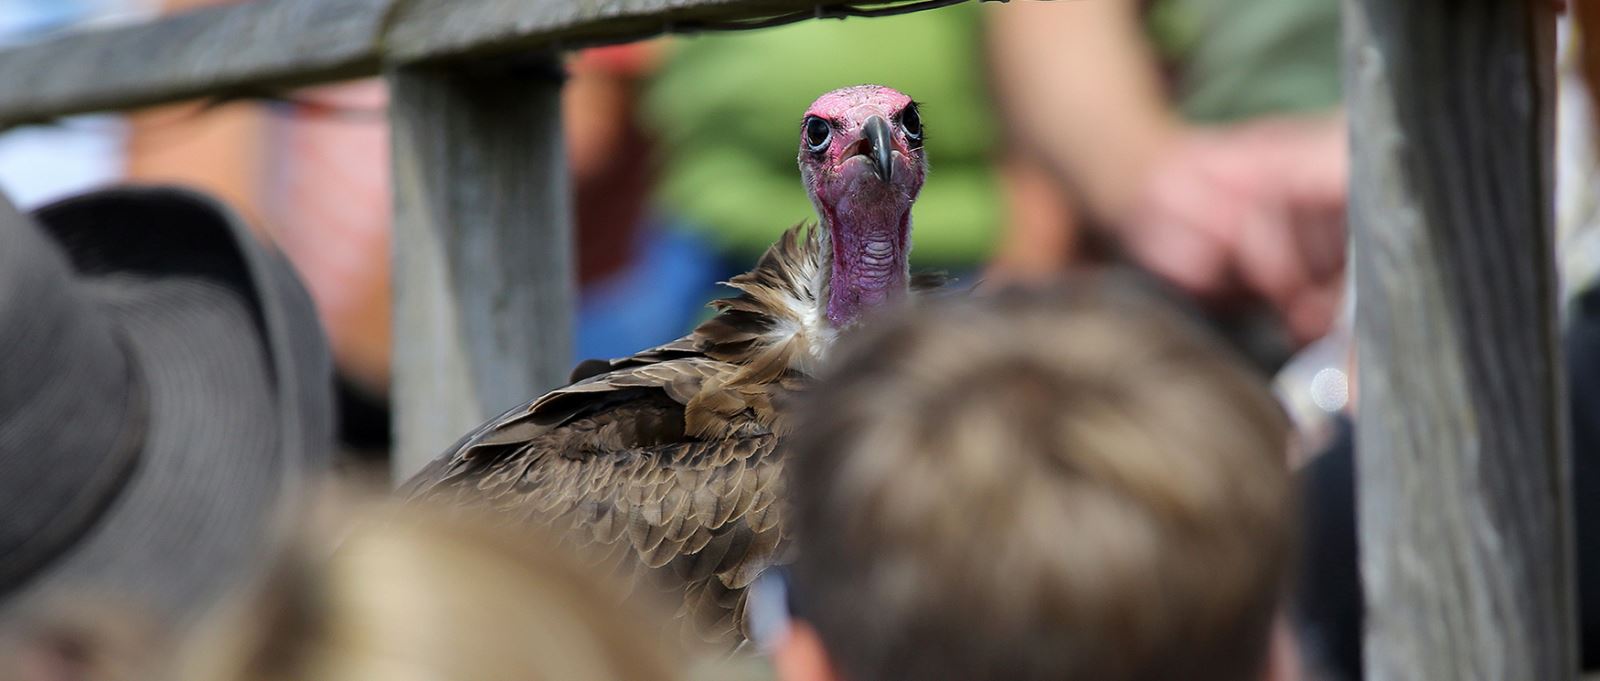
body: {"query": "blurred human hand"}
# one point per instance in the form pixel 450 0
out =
pixel 1252 209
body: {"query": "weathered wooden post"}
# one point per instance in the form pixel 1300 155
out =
pixel 1464 520
pixel 483 247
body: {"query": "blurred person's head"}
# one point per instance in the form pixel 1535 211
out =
pixel 1073 485
pixel 390 593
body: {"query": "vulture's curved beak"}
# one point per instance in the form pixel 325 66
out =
pixel 879 138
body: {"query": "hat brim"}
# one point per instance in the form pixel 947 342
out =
pixel 238 385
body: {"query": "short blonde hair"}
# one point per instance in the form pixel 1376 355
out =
pixel 1064 485
pixel 409 594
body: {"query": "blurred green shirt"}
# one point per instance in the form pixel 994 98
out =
pixel 726 110
pixel 1236 59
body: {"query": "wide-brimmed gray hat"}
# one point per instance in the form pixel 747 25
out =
pixel 165 391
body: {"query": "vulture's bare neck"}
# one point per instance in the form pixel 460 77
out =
pixel 779 322
pixel 869 263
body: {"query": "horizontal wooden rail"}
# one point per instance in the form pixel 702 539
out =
pixel 434 29
pixel 208 52
pixel 271 45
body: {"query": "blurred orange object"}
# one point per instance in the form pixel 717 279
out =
pixel 609 155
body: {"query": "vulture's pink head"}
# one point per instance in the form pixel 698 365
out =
pixel 862 161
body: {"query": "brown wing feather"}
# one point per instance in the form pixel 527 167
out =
pixel 608 463
pixel 688 346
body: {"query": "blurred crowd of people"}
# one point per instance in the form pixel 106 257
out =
pixel 1197 142
pixel 1032 484
pixel 1193 148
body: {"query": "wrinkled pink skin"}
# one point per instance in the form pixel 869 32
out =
pixel 868 220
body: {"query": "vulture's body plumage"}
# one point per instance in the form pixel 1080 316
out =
pixel 667 465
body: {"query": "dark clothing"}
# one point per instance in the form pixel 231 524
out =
pixel 1328 601
pixel 1583 386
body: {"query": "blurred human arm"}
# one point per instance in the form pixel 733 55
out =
pixel 1255 207
pixel 1082 96
pixel 1077 80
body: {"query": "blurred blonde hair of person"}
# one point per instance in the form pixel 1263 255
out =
pixel 417 594
pixel 1067 485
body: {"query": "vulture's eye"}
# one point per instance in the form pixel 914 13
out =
pixel 911 122
pixel 817 134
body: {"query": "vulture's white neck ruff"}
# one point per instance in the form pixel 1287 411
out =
pixel 780 319
pixel 803 316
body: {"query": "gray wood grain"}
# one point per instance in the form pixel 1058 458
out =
pixel 243 48
pixel 430 29
pixel 269 45
pixel 483 238
pixel 1464 520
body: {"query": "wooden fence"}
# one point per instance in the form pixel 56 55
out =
pixel 1465 515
